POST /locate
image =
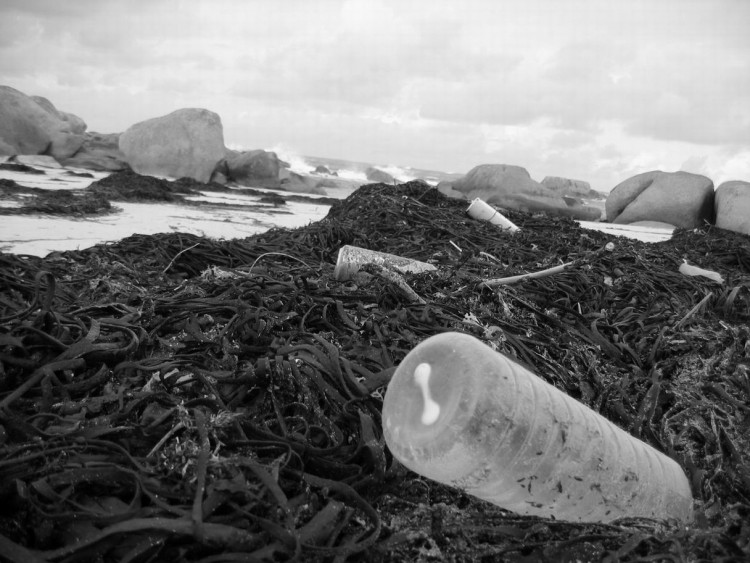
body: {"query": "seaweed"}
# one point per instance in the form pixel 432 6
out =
pixel 55 202
pixel 126 185
pixel 176 398
pixel 19 167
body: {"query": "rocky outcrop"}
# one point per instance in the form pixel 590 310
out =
pixel 100 151
pixel 379 176
pixel 321 169
pixel 185 143
pixel 511 187
pixel 256 168
pixel 573 188
pixel 681 199
pixel 74 124
pixel 40 160
pixel 297 183
pixel 495 182
pixel 264 169
pixel 32 125
pixel 732 204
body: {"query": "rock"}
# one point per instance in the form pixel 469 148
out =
pixel 512 187
pixel 493 182
pixel 446 188
pixel 297 183
pixel 75 123
pixel 185 143
pixel 18 167
pixel 327 183
pixel 24 125
pixel 46 105
pixel 64 145
pixel 72 123
pixel 66 135
pixel 37 160
pixel 732 203
pixel 100 151
pixel 320 169
pixel 567 187
pixel 379 176
pixel 6 150
pixel 335 182
pixel 257 168
pixel 549 206
pixel 218 177
pixel 32 125
pixel 571 201
pixel 679 198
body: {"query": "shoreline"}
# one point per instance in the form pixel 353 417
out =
pixel 220 212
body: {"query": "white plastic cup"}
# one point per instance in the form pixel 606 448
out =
pixel 481 210
pixel 462 414
pixel 352 258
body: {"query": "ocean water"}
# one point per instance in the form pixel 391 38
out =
pixel 356 171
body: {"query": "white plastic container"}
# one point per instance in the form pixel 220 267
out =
pixel 462 414
pixel 481 210
pixel 352 258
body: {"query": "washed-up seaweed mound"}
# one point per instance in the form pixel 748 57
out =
pixel 19 167
pixel 129 186
pixel 174 398
pixel 51 202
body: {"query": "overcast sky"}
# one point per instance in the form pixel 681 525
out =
pixel 597 90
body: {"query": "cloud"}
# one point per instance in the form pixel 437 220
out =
pixel 584 88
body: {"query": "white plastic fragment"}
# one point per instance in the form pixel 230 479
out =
pixel 689 270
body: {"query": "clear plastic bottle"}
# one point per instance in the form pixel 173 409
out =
pixel 462 414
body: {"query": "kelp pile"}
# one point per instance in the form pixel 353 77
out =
pixel 175 398
pixel 50 202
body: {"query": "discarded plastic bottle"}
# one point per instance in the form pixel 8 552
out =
pixel 352 258
pixel 479 209
pixel 462 414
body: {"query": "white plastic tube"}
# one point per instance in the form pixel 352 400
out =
pixel 462 414
pixel 481 210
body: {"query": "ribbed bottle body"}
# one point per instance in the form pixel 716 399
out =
pixel 508 437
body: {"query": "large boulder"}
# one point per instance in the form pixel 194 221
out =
pixel 32 125
pixel 732 203
pixel 38 160
pixel 495 183
pixel 297 183
pixel 185 143
pixel 681 199
pixel 567 187
pixel 257 168
pixel 66 137
pixel 322 169
pixel 511 187
pixel 380 176
pixel 75 124
pixel 100 151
